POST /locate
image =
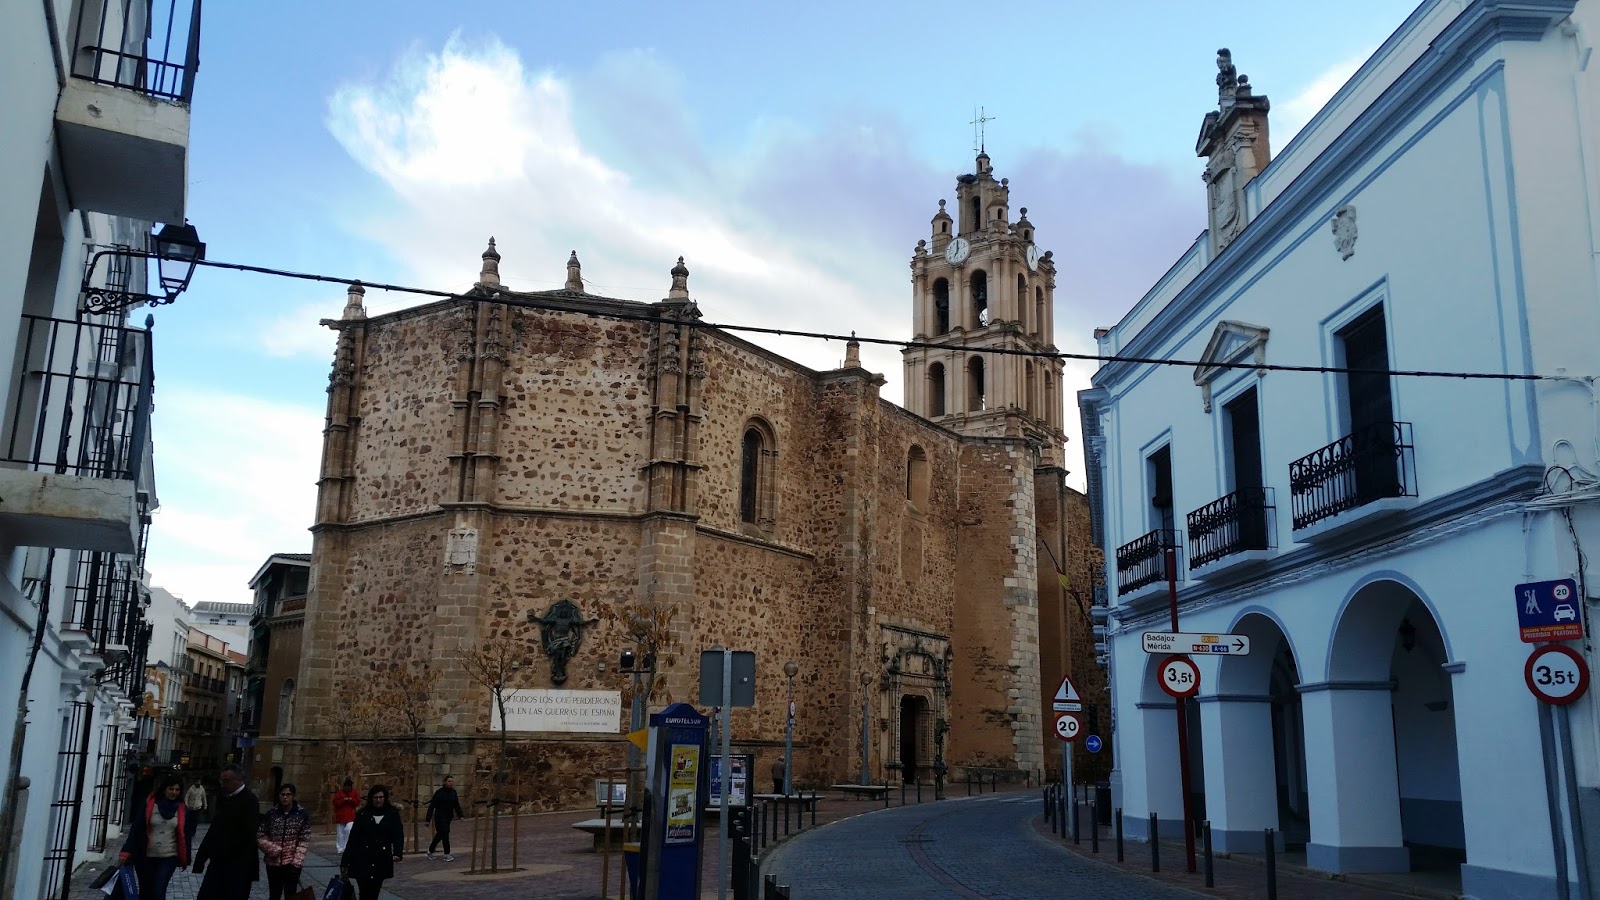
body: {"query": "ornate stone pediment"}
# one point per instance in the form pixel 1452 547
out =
pixel 1232 343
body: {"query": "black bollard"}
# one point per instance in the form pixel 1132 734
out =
pixel 994 783
pixel 969 782
pixel 1072 821
pixel 902 792
pixel 1061 810
pixel 886 794
pixel 1211 876
pixel 1272 865
pixel 919 790
pixel 813 809
pixel 1118 820
pixel 1155 843
pixel 785 815
pixel 1094 826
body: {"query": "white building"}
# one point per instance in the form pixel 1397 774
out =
pixel 1366 531
pixel 166 664
pixel 229 621
pixel 94 149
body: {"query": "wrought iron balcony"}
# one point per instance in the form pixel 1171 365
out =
pixel 1229 525
pixel 142 45
pixel 1143 561
pixel 103 601
pixel 1373 463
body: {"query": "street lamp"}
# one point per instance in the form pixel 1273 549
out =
pixel 790 669
pixel 866 724
pixel 177 250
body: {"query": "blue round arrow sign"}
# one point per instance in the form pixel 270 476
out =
pixel 1092 743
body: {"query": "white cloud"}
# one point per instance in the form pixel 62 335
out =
pixel 236 478
pixel 1290 117
pixel 299 332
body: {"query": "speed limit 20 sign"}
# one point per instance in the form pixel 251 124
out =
pixel 1556 674
pixel 1180 677
pixel 1067 726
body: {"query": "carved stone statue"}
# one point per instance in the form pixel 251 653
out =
pixel 1344 231
pixel 560 631
pixel 1227 75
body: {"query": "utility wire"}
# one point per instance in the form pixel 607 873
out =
pixel 555 305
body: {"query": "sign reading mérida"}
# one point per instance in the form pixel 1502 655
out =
pixel 1196 642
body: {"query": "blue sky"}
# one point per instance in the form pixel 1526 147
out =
pixel 793 160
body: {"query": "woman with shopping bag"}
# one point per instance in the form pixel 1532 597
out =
pixel 283 836
pixel 376 843
pixel 159 842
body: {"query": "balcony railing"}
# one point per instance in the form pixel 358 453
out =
pixel 104 602
pixel 1143 561
pixel 1232 524
pixel 143 45
pixel 82 406
pixel 1373 463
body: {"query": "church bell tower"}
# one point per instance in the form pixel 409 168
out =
pixel 981 283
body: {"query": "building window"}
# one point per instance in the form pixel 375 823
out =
pixel 941 306
pixel 1369 404
pixel 756 473
pixel 917 477
pixel 285 705
pixel 1159 465
pixel 975 396
pixel 1038 311
pixel 976 222
pixel 980 299
pixel 1022 302
pixel 936 390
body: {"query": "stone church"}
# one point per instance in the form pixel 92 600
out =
pixel 573 476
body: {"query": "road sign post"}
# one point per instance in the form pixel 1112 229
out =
pixel 1196 642
pixel 1549 611
pixel 1171 560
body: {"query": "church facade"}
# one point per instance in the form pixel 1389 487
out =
pixel 569 476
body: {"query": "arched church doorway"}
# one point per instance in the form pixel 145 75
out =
pixel 1258 751
pixel 913 722
pixel 1387 677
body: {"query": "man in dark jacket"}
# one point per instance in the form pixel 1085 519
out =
pixel 444 808
pixel 229 847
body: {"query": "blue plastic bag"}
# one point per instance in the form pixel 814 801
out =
pixel 125 886
pixel 338 889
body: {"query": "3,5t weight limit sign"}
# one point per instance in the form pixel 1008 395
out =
pixel 1180 677
pixel 1556 674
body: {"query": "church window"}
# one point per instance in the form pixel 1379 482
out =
pixel 1038 311
pixel 917 477
pixel 975 395
pixel 936 390
pixel 944 227
pixel 980 299
pixel 1022 301
pixel 977 215
pixel 285 706
pixel 941 306
pixel 1032 386
pixel 756 465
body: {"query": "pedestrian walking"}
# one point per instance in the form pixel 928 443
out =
pixel 283 837
pixel 377 841
pixel 229 847
pixel 195 799
pixel 345 803
pixel 779 773
pixel 444 808
pixel 160 839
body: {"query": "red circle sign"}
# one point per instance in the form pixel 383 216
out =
pixel 1556 674
pixel 1180 677
pixel 1068 725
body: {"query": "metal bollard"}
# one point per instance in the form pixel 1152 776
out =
pixel 1118 820
pixel 1272 865
pixel 919 790
pixel 1211 876
pixel 1155 843
pixel 785 815
pixel 1074 822
pixel 1061 810
pixel 902 792
pixel 1050 808
pixel 886 794
pixel 1094 825
pixel 969 782
pixel 813 809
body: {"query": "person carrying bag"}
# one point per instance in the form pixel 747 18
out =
pixel 283 837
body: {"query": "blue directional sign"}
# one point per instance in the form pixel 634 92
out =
pixel 1092 743
pixel 1549 611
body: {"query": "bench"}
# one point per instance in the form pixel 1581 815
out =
pixel 804 801
pixel 597 827
pixel 867 791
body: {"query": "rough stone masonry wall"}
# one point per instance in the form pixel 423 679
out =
pixel 400 457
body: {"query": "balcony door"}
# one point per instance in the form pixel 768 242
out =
pixel 1370 407
pixel 1244 435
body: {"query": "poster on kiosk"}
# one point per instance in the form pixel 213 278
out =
pixel 676 784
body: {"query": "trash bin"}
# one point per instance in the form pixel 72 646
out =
pixel 630 859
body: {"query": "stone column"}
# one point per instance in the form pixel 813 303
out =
pixel 1162 782
pixel 1240 778
pixel 1353 781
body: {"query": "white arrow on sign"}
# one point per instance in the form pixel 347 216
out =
pixel 1196 642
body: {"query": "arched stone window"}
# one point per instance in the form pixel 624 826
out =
pixel 980 298
pixel 936 390
pixel 757 470
pixel 976 222
pixel 285 705
pixel 975 395
pixel 917 477
pixel 1029 396
pixel 1038 310
pixel 941 306
pixel 1022 301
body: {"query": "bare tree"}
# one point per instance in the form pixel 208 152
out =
pixel 409 690
pixel 494 664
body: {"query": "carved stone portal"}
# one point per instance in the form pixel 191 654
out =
pixel 560 631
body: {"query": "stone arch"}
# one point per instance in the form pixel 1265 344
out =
pixel 918 478
pixel 977 399
pixel 941 306
pixel 936 390
pixel 1022 301
pixel 757 473
pixel 980 299
pixel 1374 604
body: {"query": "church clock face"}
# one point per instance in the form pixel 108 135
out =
pixel 958 251
pixel 1031 257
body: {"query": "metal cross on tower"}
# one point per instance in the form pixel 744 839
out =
pixel 979 120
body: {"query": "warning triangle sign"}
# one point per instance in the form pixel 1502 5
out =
pixel 1066 693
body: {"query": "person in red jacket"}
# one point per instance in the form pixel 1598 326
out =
pixel 345 803
pixel 159 842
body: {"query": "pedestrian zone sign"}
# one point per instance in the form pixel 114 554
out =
pixel 1066 698
pixel 1549 611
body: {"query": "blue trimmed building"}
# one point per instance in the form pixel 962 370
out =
pixel 1363 527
